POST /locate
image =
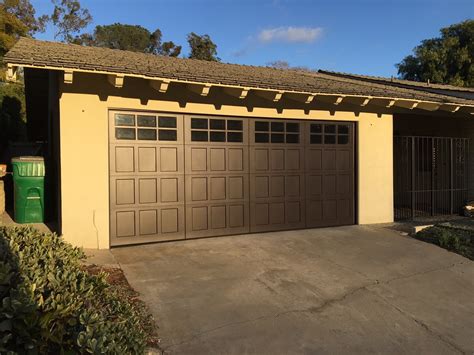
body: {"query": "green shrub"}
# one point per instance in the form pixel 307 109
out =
pixel 51 305
pixel 453 239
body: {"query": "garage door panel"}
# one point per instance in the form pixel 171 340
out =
pixel 276 175
pixel 217 183
pixel 330 175
pixel 146 177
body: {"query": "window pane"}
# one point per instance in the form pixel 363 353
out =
pixel 146 121
pixel 329 139
pixel 278 127
pixel 217 124
pixel 316 128
pixel 234 137
pixel 316 139
pixel 147 134
pixel 167 122
pixel 199 136
pixel 343 139
pixel 200 123
pixel 124 120
pixel 217 136
pixel 261 126
pixel 234 125
pixel 261 137
pixel 292 127
pixel 292 138
pixel 125 133
pixel 343 129
pixel 167 135
pixel 278 138
pixel 330 128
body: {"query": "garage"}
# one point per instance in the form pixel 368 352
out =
pixel 189 176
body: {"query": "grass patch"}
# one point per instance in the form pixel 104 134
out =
pixel 457 240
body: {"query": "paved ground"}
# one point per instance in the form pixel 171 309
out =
pixel 350 289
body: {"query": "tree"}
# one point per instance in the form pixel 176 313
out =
pixel 17 19
pixel 448 59
pixel 69 18
pixel 202 47
pixel 129 37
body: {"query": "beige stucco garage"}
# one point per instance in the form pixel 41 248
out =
pixel 97 97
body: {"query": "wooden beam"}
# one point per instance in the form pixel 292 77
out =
pixel 450 108
pixel 202 90
pixel 11 72
pixel 271 95
pixel 331 99
pixel 408 104
pixel 68 76
pixel 116 80
pixel 357 100
pixel 300 97
pixel 160 85
pixel 428 106
pixel 383 102
pixel 240 93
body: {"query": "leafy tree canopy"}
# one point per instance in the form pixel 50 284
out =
pixel 202 47
pixel 129 37
pixel 448 59
pixel 17 19
pixel 69 18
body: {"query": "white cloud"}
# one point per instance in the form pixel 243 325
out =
pixel 290 34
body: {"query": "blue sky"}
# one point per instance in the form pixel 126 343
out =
pixel 358 36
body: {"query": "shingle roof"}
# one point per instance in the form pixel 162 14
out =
pixel 35 53
pixel 398 82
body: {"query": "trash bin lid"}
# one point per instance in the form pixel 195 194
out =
pixel 26 159
pixel 28 166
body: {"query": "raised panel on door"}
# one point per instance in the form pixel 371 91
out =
pixel 146 174
pixel 216 182
pixel 329 176
pixel 277 185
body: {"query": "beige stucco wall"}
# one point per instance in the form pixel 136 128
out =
pixel 84 150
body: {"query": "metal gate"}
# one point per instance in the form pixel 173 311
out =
pixel 430 176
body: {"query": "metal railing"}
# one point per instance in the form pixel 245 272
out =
pixel 430 176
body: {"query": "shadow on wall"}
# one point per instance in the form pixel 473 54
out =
pixel 12 115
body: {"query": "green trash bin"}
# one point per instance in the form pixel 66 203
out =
pixel 28 182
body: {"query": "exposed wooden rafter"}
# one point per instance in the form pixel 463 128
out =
pixel 116 80
pixel 11 72
pixel 240 93
pixel 450 108
pixel 271 95
pixel 202 90
pixel 331 99
pixel 160 85
pixel 408 104
pixel 68 76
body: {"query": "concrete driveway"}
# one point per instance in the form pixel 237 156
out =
pixel 337 290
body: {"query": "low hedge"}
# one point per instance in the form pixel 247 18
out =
pixel 51 305
pixel 458 240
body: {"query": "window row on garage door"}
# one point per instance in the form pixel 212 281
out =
pixel 176 177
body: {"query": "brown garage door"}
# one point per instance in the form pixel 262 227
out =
pixel 276 175
pixel 146 177
pixel 217 192
pixel 329 154
pixel 176 177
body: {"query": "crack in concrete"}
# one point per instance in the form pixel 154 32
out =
pixel 330 302
pixel 421 324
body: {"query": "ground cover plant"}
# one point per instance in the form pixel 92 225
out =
pixel 52 303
